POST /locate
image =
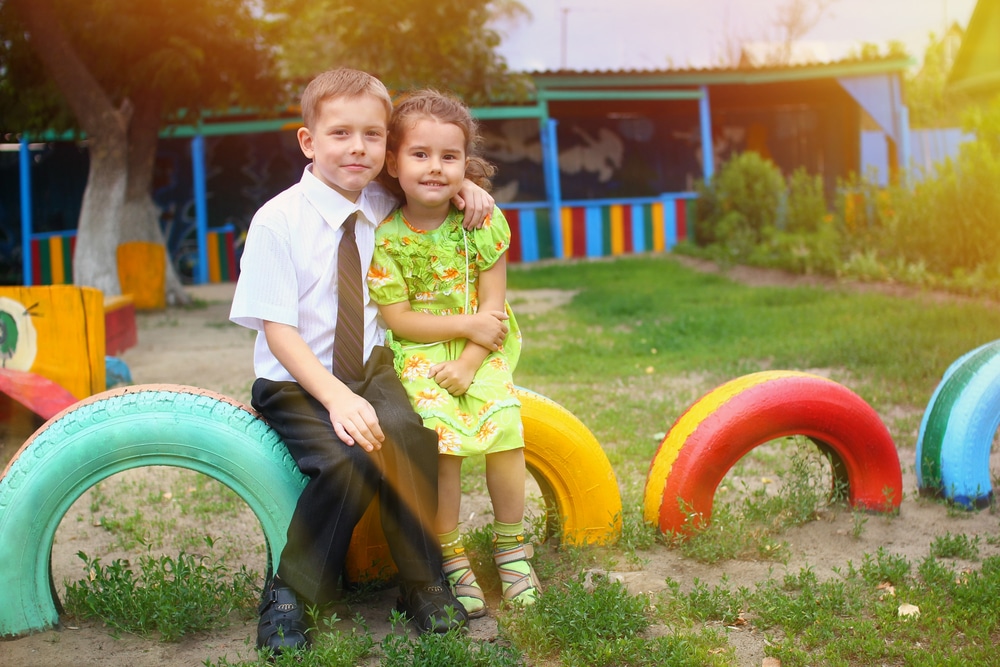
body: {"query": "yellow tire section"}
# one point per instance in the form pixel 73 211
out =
pixel 577 481
pixel 578 486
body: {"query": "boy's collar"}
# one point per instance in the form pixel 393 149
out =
pixel 331 205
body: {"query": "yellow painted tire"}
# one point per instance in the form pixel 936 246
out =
pixel 578 486
pixel 729 421
pixel 574 474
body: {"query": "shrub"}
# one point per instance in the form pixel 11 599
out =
pixel 739 207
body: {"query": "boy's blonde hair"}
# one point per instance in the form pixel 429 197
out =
pixel 444 108
pixel 341 82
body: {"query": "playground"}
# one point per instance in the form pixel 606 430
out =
pixel 198 347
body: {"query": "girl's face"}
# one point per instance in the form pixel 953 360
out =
pixel 429 164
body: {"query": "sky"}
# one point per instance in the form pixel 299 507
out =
pixel 664 34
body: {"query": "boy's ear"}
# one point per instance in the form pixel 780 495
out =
pixel 305 142
pixel 390 165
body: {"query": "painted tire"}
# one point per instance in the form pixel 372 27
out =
pixel 729 421
pixel 576 479
pixel 108 433
pixel 187 427
pixel 573 472
pixel 957 430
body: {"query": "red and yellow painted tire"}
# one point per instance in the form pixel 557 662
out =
pixel 729 421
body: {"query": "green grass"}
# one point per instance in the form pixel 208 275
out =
pixel 642 339
pixel 637 314
pixel 166 596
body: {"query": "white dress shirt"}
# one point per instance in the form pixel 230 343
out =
pixel 288 271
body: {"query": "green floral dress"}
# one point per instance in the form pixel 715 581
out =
pixel 430 270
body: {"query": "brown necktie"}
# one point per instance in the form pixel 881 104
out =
pixel 349 336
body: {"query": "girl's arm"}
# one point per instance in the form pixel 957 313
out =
pixel 456 376
pixel 486 327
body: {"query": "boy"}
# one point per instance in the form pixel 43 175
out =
pixel 342 414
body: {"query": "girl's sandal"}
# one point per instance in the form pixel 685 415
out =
pixel 518 587
pixel 462 580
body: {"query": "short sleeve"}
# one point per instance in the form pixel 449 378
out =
pixel 386 283
pixel 267 287
pixel 492 239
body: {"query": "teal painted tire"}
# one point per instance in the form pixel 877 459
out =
pixel 131 427
pixel 957 430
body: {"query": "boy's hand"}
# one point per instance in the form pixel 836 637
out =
pixel 454 376
pixel 477 205
pixel 355 422
pixel 489 329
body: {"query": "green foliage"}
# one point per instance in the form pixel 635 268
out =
pixel 574 614
pixel 738 208
pixel 930 104
pixel 176 56
pixel 598 623
pixel 331 647
pixel 806 209
pixel 885 567
pixel 955 546
pixel 449 44
pixel 173 597
pixel 748 527
pixel 453 648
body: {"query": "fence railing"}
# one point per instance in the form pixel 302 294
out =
pixel 591 228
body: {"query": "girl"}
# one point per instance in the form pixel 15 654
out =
pixel 442 292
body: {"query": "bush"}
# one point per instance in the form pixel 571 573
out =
pixel 739 207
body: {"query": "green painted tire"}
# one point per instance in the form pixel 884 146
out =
pixel 131 427
pixel 958 427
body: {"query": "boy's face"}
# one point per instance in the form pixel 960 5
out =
pixel 347 144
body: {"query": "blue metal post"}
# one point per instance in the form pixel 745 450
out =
pixel 905 148
pixel 200 207
pixel 550 170
pixel 707 147
pixel 25 169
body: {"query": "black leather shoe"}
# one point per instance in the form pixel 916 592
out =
pixel 282 625
pixel 432 608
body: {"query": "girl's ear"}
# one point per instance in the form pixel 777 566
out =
pixel 390 165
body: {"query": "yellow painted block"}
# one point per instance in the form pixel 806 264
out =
pixel 142 272
pixel 56 331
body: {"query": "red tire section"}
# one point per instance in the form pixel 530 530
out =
pixel 728 422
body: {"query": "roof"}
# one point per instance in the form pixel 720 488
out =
pixel 720 76
pixel 977 66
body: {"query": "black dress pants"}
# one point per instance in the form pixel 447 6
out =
pixel 343 480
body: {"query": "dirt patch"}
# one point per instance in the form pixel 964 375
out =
pixel 200 347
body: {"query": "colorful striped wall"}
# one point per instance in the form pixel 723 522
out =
pixel 599 228
pixel 222 264
pixel 52 256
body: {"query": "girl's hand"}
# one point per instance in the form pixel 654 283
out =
pixel 477 205
pixel 454 376
pixel 489 329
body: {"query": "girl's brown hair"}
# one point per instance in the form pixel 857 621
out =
pixel 444 108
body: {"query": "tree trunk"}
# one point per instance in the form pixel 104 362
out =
pixel 95 260
pixel 141 216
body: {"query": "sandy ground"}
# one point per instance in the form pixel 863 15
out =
pixel 199 347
